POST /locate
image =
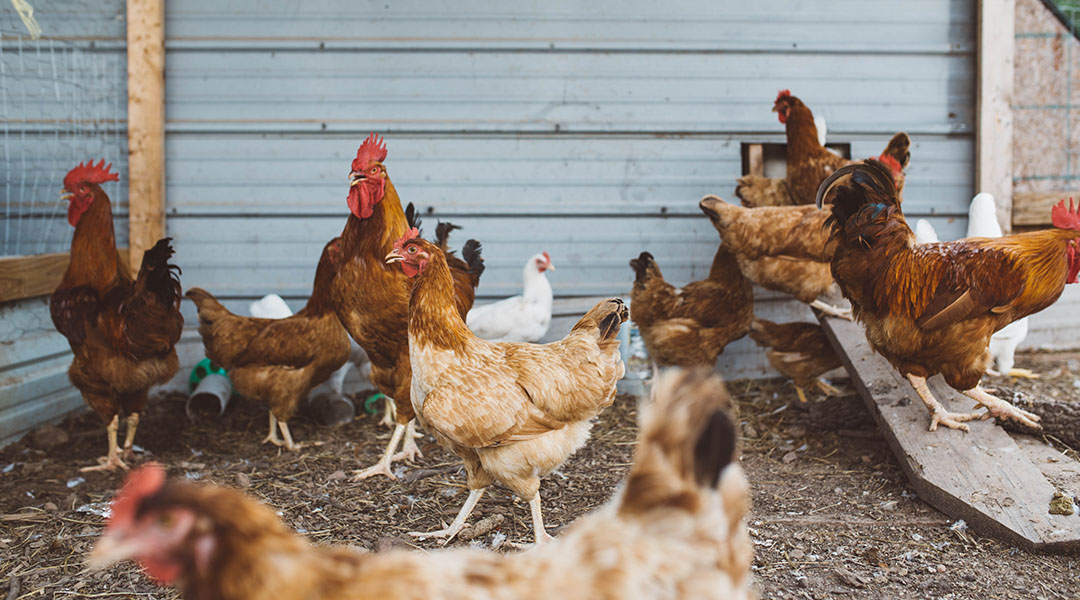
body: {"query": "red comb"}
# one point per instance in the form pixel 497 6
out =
pixel 373 149
pixel 411 234
pixel 90 173
pixel 893 165
pixel 1066 218
pixel 142 482
pixel 783 94
pixel 547 256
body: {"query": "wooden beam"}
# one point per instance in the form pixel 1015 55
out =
pixel 1033 208
pixel 31 276
pixel 981 476
pixel 994 122
pixel 755 155
pixel 146 124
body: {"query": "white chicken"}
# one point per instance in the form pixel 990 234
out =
pixel 925 233
pixel 982 222
pixel 523 318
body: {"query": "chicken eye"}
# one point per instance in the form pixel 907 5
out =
pixel 412 249
pixel 165 520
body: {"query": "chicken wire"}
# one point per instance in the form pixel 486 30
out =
pixel 63 100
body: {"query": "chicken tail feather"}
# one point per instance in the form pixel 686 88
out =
pixel 606 316
pixel 208 306
pixel 470 253
pixel 442 235
pixel 686 444
pixel 641 266
pixel 899 149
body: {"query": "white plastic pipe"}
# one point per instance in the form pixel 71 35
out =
pixel 211 395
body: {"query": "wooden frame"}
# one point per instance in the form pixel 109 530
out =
pixel 994 122
pixel 146 124
pixel 31 276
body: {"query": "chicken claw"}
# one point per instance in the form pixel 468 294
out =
pixel 113 461
pixel 448 533
pixel 383 466
pixel 833 311
pixel 996 407
pixel 1024 373
pixel 938 414
pixel 409 450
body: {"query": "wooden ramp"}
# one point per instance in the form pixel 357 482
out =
pixel 983 477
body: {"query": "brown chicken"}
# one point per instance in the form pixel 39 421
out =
pixel 371 298
pixel 676 531
pixel 799 351
pixel 808 162
pixel 278 361
pixel 691 325
pixel 512 411
pixel 781 248
pixel 932 308
pixel 122 332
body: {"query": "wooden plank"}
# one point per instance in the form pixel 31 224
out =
pixel 32 276
pixel 1033 208
pixel 982 476
pixel 146 124
pixel 755 156
pixel 994 121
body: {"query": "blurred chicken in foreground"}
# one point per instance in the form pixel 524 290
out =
pixel 932 308
pixel 675 530
pixel 800 351
pixel 691 325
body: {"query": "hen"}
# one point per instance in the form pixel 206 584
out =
pixel 523 318
pixel 691 325
pixel 809 162
pixel 799 351
pixel 932 308
pixel 278 361
pixel 675 531
pixel 122 332
pixel 512 411
pixel 371 298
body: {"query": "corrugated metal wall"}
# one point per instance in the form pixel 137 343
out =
pixel 63 100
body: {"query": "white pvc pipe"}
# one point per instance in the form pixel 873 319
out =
pixel 211 395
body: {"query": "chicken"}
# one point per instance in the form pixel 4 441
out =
pixel 523 318
pixel 278 361
pixel 780 248
pixel 799 351
pixel 467 269
pixel 371 298
pixel 691 325
pixel 272 306
pixel 932 308
pixel 512 411
pixel 122 332
pixel 809 162
pixel 982 222
pixel 676 530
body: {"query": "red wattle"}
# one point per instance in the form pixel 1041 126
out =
pixel 164 573
pixel 409 269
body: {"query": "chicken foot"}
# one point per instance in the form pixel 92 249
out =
pixel 540 535
pixel 448 533
pixel 996 407
pixel 113 460
pixel 833 311
pixel 938 414
pixel 383 466
pixel 288 443
pixel 409 450
pixel 129 436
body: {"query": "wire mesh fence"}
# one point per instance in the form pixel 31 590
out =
pixel 63 100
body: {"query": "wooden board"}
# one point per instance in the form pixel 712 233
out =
pixel 993 117
pixel 146 124
pixel 32 276
pixel 1033 208
pixel 982 477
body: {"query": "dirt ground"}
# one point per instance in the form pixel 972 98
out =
pixel 832 516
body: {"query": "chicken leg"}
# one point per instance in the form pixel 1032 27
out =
pixel 448 533
pixel 409 450
pixel 938 414
pixel 129 435
pixel 833 311
pixel 113 460
pixel 996 407
pixel 383 466
pixel 540 535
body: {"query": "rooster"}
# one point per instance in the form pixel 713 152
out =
pixel 676 530
pixel 932 308
pixel 691 325
pixel 523 318
pixel 278 361
pixel 512 411
pixel 809 162
pixel 122 332
pixel 799 351
pixel 371 299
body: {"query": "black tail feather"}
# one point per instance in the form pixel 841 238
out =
pixel 470 253
pixel 640 265
pixel 158 275
pixel 412 217
pixel 442 234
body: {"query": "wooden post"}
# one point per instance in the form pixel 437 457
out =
pixel 994 123
pixel 146 124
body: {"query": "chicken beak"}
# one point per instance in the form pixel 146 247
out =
pixel 110 549
pixel 355 178
pixel 66 195
pixel 549 267
pixel 394 257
